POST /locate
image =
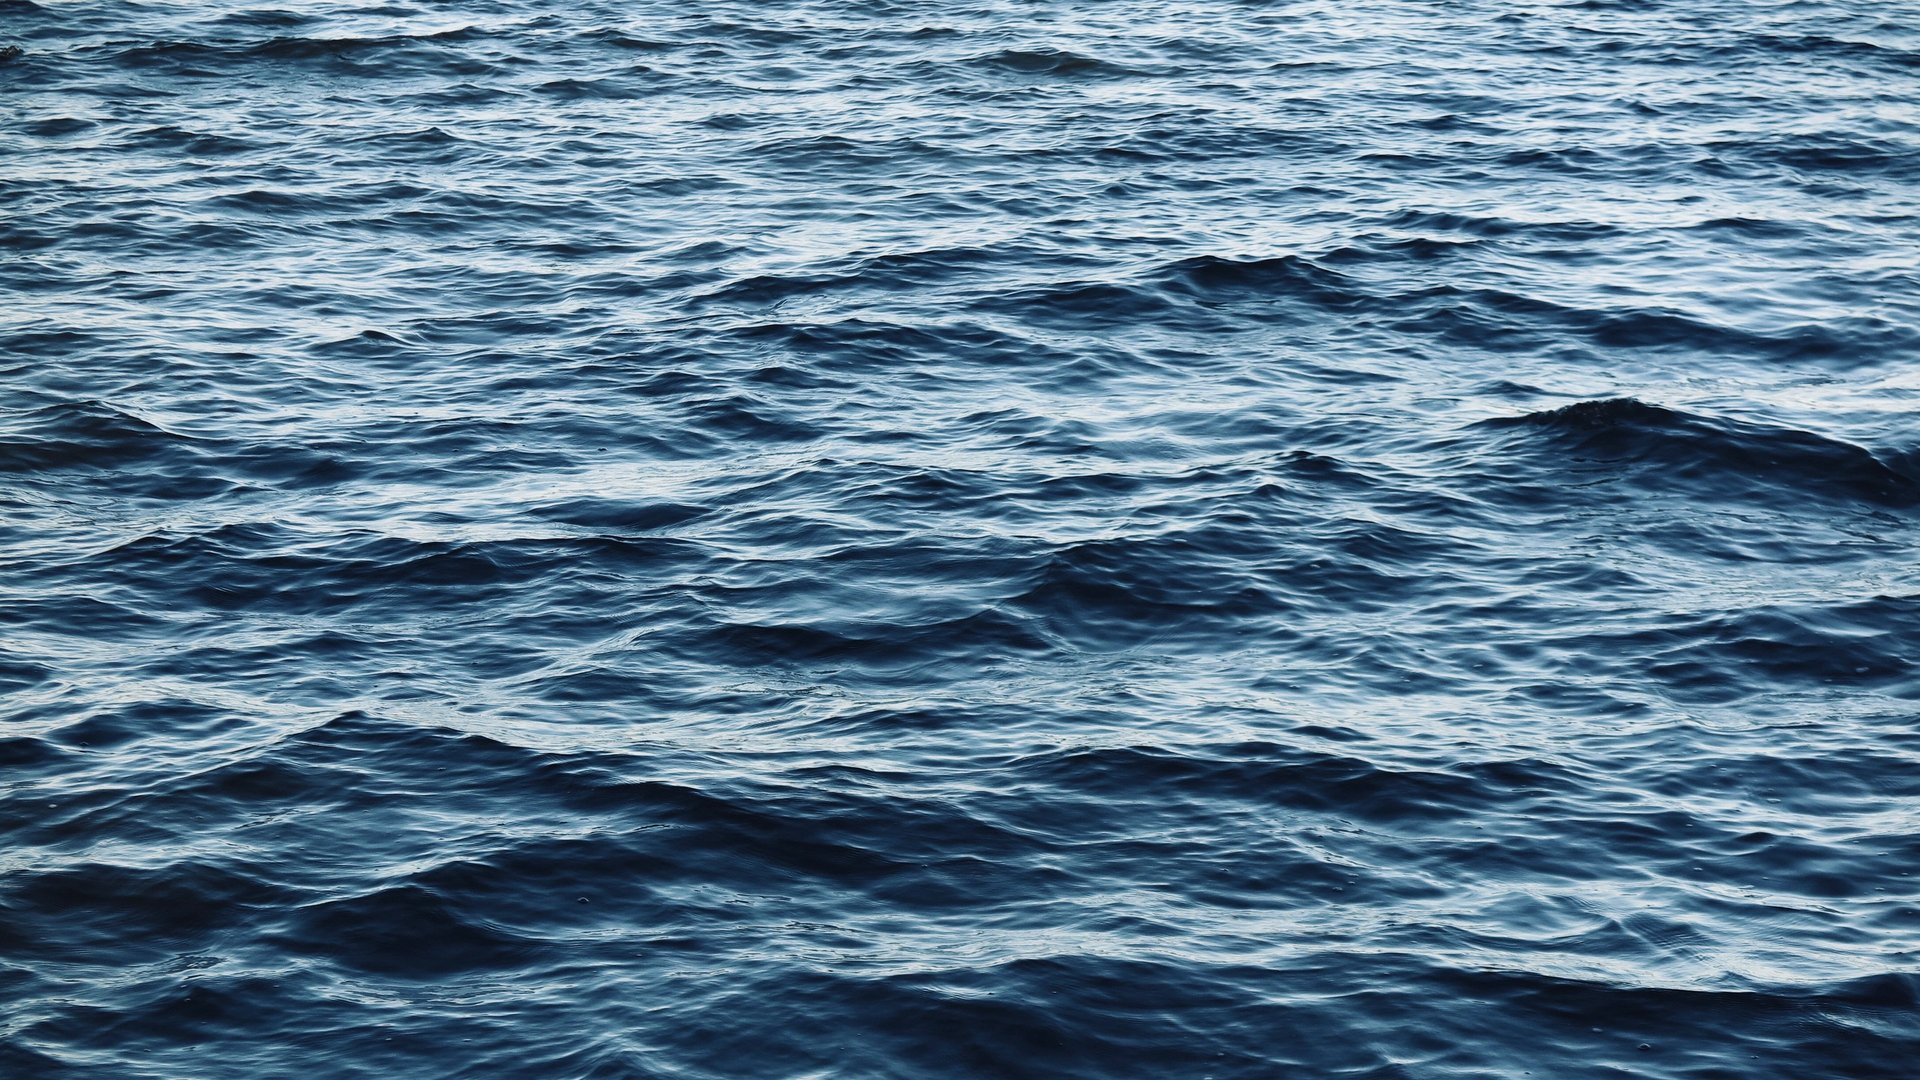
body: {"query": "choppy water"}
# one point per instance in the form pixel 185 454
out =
pixel 1092 539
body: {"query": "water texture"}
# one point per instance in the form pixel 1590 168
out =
pixel 992 539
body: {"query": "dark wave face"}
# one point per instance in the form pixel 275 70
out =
pixel 1106 539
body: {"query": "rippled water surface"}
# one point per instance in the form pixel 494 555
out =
pixel 1097 539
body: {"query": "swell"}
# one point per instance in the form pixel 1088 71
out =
pixel 1714 457
pixel 342 53
pixel 1230 293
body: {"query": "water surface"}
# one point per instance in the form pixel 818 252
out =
pixel 1102 539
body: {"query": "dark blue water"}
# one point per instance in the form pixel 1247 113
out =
pixel 1096 539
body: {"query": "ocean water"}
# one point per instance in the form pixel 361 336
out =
pixel 989 539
